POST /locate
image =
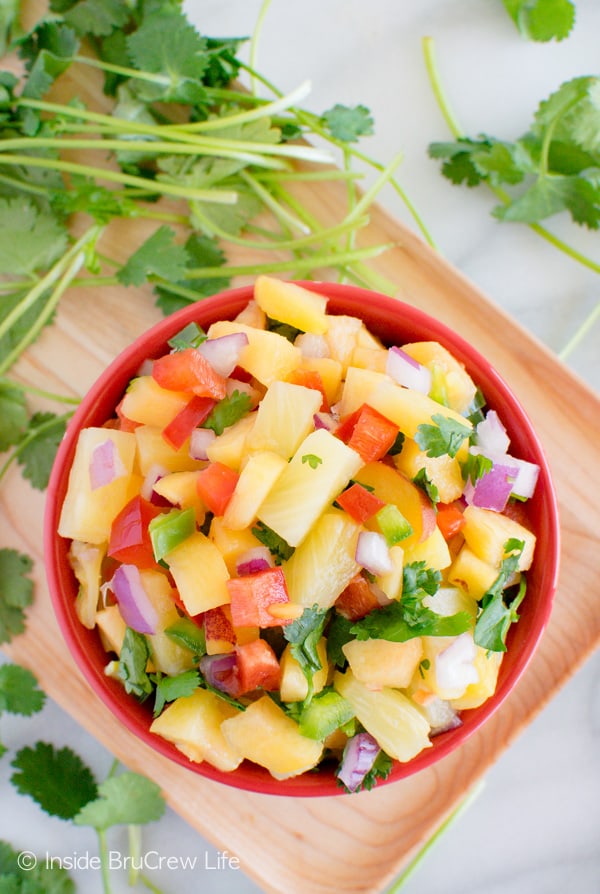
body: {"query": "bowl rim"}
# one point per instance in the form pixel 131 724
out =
pixel 363 302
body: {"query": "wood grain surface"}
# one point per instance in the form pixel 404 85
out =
pixel 358 843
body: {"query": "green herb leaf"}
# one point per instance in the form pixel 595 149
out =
pixel 496 616
pixel 227 411
pixel 542 20
pixel 189 337
pixel 423 481
pixel 312 460
pixel 170 688
pixel 475 467
pixel 97 17
pixel 446 436
pixel 13 415
pixel 339 633
pixel 19 692
pixel 9 12
pixel 348 124
pixel 44 435
pixel 42 879
pixel 158 256
pixel 132 664
pixel 57 780
pixel 304 635
pixel 277 546
pixel 201 252
pixel 381 769
pixel 128 799
pixel 16 592
pixel 49 50
pixel 30 239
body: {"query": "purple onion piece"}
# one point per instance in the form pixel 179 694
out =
pixel 359 756
pixel 200 441
pixel 216 669
pixel 493 489
pixel 224 352
pixel 407 371
pixel 136 609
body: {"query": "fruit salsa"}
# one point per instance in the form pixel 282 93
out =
pixel 298 544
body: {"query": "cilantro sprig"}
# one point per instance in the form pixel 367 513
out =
pixel 16 592
pixel 19 693
pixel 542 20
pixel 498 613
pixel 304 635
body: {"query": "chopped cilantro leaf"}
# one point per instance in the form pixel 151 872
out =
pixel 475 467
pixel 397 445
pixel 97 17
pixel 201 252
pixel 189 337
pixel 381 769
pixel 542 20
pixel 132 664
pixel 424 666
pixel 348 124
pixel 338 634
pixel 227 411
pixel 16 592
pixel 30 239
pixel 19 692
pixel 496 616
pixel 304 635
pixel 423 481
pixel 283 329
pixel 39 448
pixel 170 688
pixel 277 546
pixel 125 800
pixel 312 460
pixel 57 780
pixel 446 436
pixel 13 415
pixel 157 256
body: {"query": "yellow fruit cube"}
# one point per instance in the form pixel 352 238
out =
pixel 458 384
pixel 379 662
pixel 443 471
pixel 433 551
pixel 252 315
pixel 153 450
pixel 88 513
pixel 471 573
pixel 391 718
pixel 318 471
pixel 342 338
pixel 369 358
pixel 323 565
pixel 284 418
pixel 86 561
pixel 294 685
pixel 486 532
pixel 166 655
pixel 146 402
pixel 200 573
pixel 409 409
pixel 392 581
pixel 488 666
pixel 291 304
pixel 111 627
pixel 257 477
pixel 229 447
pixel 193 723
pixel 264 734
pixel 330 371
pixel 181 489
pixel 231 544
pixel 358 387
pixel 268 356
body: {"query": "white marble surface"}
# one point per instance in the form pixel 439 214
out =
pixel 535 827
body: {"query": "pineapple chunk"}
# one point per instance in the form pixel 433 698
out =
pixel 252 315
pixel 488 666
pixel 181 489
pixel 458 384
pixel 370 358
pixel 87 514
pixel 291 304
pixel 390 717
pixel 231 544
pixel 112 628
pixel 149 404
pixel 264 734
pixel 342 337
pixel 284 418
pixel 86 561
pixel 302 492
pixel 433 649
pixel 229 447
pixel 200 573
pixel 267 356
pixel 471 573
pixel 358 386
pixel 443 471
pixel 409 409
pixel 450 601
pixel 294 685
pixel 486 532
pixel 256 480
pixel 433 551
pixel 379 662
pixel 153 450
pixel 193 724
pixel 324 564
pixel 330 371
pixel 167 656
pixel 392 581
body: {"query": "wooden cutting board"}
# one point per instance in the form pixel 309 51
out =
pixel 357 843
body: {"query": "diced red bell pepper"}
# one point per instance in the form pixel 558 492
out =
pixel 311 378
pixel 216 484
pixel 346 427
pixel 357 599
pixel 219 629
pixel 189 371
pixel 359 503
pixel 252 595
pixel 257 667
pixel 450 519
pixel 129 537
pixel 373 434
pixel 190 417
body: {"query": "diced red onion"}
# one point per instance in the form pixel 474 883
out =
pixel 372 552
pixel 106 464
pixel 200 441
pixel 135 607
pixel 218 669
pixel 491 434
pixel 407 371
pixel 359 756
pixel 254 560
pixel 312 345
pixel 224 352
pixel 454 668
pixel 324 420
pixel 440 715
pixel 493 489
pixel 154 474
pixel 526 475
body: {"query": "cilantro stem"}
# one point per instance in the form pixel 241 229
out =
pixel 438 91
pixel 104 861
pixel 284 176
pixel 267 198
pixel 255 40
pixel 30 436
pixel 70 167
pixel 26 187
pixel 581 333
pixel 39 392
pixel 369 196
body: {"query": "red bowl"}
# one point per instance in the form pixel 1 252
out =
pixel 395 323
